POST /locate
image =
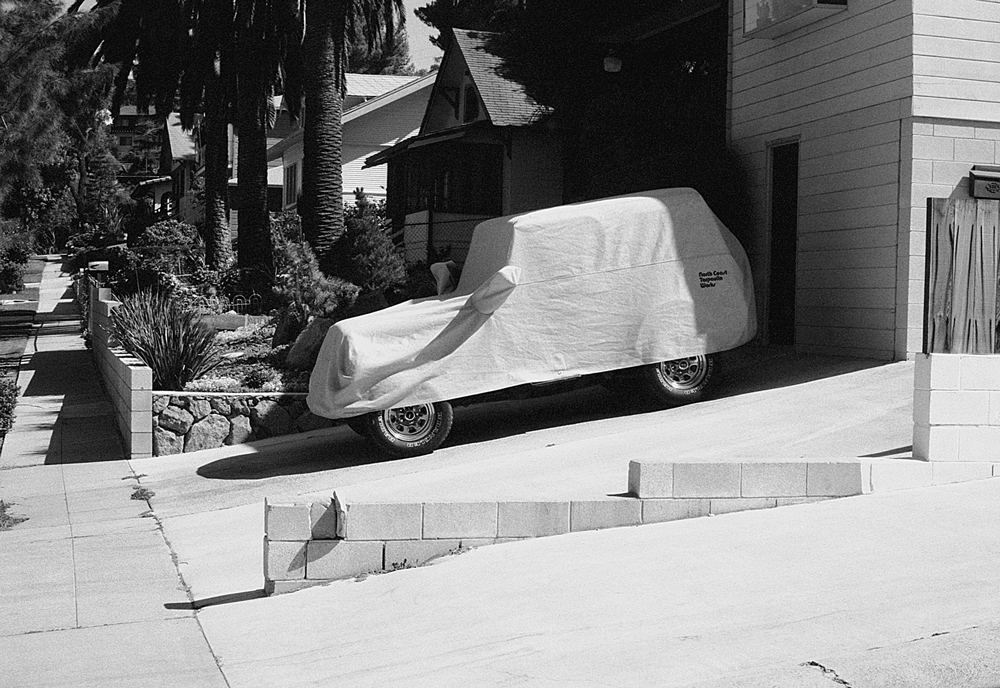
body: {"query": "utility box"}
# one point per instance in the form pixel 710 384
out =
pixel 984 182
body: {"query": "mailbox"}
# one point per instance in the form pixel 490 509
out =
pixel 984 181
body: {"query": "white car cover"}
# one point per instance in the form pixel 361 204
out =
pixel 546 295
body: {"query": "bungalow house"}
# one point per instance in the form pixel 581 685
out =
pixel 379 110
pixel 849 115
pixel 185 158
pixel 481 151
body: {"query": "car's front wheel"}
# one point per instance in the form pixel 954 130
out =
pixel 680 381
pixel 409 430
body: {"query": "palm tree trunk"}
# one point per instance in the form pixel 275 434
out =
pixel 255 248
pixel 322 206
pixel 218 245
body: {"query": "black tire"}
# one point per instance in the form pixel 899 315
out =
pixel 357 424
pixel 409 430
pixel 681 381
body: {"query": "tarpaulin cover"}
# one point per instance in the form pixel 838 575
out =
pixel 550 294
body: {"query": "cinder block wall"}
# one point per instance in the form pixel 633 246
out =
pixel 127 380
pixel 956 408
pixel 942 152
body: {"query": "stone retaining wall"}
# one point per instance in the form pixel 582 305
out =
pixel 191 421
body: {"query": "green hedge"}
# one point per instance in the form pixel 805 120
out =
pixel 8 400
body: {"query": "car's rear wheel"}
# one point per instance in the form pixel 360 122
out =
pixel 409 430
pixel 680 381
pixel 357 424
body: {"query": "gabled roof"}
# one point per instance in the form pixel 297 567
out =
pixel 410 85
pixel 371 85
pixel 506 102
pixel 182 145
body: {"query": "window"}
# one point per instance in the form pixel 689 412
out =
pixel 461 178
pixel 124 140
pixel 773 18
pixel 471 113
pixel 291 185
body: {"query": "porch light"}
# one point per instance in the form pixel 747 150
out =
pixel 612 63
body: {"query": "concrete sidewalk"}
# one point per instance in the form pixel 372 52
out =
pixel 88 587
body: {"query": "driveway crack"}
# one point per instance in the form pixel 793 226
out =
pixel 829 673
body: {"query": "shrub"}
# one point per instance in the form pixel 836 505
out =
pixel 15 250
pixel 167 336
pixel 8 400
pixel 11 276
pixel 365 254
pixel 302 290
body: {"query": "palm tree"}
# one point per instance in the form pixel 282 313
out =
pixel 267 39
pixel 209 85
pixel 331 25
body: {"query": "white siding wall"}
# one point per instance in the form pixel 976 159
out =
pixel 956 59
pixel 533 175
pixel 841 87
pixel 367 135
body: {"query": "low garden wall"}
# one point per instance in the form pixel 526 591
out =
pixel 158 423
pixel 191 421
pixel 312 542
pixel 127 380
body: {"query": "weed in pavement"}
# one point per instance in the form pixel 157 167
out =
pixel 6 520
pixel 143 493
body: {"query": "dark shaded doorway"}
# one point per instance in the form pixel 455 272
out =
pixel 784 228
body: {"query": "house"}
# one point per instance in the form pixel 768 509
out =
pixel 184 153
pixel 134 143
pixel 483 150
pixel 850 115
pixel 378 111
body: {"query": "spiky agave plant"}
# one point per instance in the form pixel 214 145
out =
pixel 168 337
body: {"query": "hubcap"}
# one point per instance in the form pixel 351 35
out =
pixel 683 373
pixel 410 423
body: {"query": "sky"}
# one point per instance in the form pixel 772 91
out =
pixel 422 52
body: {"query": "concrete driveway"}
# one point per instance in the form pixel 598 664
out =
pixel 768 403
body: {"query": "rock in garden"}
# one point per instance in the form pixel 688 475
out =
pixel 271 418
pixel 239 431
pixel 207 433
pixel 221 405
pixel 199 408
pixel 303 353
pixel 296 408
pixel 176 419
pixel 166 442
pixel 160 403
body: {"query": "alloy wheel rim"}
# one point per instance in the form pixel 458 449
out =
pixel 683 373
pixel 410 423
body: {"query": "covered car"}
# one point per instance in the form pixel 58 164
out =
pixel 551 294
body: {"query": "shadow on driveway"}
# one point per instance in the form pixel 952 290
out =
pixel 737 373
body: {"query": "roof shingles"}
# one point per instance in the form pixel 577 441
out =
pixel 506 102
